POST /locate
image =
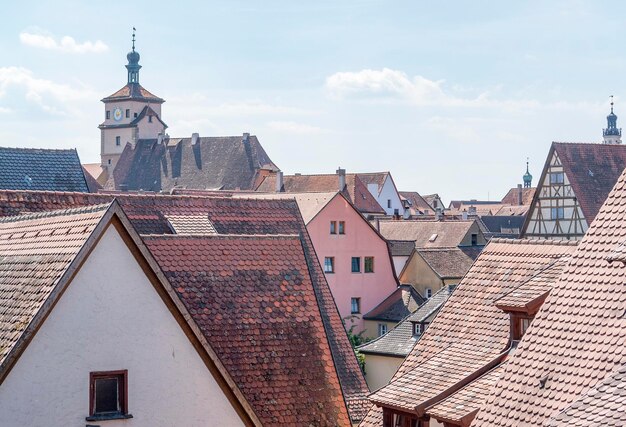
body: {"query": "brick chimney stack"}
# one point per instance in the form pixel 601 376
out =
pixel 341 173
pixel 519 195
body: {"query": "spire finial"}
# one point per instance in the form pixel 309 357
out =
pixel 134 29
pixel 527 164
pixel 611 103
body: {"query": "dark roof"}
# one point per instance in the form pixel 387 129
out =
pixel 148 214
pixel 355 189
pixel 41 169
pixel 603 405
pixel 447 263
pixel 470 335
pixel 577 338
pixel 503 226
pixel 402 302
pixel 418 203
pixel 400 340
pixel 401 247
pixel 147 111
pixel 230 163
pixel 133 91
pixel 259 311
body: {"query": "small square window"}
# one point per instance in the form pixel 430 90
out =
pixel 342 227
pixel 108 395
pixel 355 305
pixel 127 113
pixel 118 141
pixel 368 264
pixel 329 264
pixel 333 227
pixel 382 329
pixel 356 264
pixel 557 213
pixel 557 178
pixel 108 115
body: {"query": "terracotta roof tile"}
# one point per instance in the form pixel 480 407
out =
pixel 273 341
pixel 147 214
pixel 470 334
pixel 447 263
pixel 449 234
pixel 511 197
pixel 355 189
pixel 35 252
pixel 603 405
pixel 577 337
pixel 133 91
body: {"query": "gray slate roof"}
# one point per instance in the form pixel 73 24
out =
pixel 400 340
pixel 402 301
pixel 228 163
pixel 41 169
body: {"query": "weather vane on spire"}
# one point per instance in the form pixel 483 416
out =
pixel 134 29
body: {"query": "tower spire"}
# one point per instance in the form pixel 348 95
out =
pixel 528 178
pixel 612 134
pixel 133 66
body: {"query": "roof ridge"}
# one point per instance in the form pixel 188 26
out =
pixel 55 213
pixel 534 241
pixel 224 236
pixel 39 149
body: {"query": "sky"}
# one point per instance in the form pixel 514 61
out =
pixel 450 97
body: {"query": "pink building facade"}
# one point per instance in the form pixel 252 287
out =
pixel 355 258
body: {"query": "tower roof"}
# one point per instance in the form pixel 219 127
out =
pixel 611 120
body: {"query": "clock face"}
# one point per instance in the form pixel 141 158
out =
pixel 117 114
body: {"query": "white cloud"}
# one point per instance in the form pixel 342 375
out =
pixel 294 127
pixel 52 97
pixel 67 44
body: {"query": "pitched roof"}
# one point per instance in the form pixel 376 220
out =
pixel 447 263
pixel 400 340
pixel 36 250
pixel 377 178
pixel 503 226
pixel 355 189
pixel 230 162
pixel 418 203
pixel 148 214
pixel 461 407
pixel 511 198
pixel 401 247
pixel 310 204
pixel 273 341
pixel 603 405
pixel 577 337
pixel 41 169
pixel 403 301
pixel 133 91
pixel 450 354
pixel 447 234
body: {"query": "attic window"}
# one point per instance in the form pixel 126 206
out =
pixel 150 119
pixel 108 395
pixel 417 329
pixel 433 237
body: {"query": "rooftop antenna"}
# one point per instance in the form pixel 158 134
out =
pixel 134 29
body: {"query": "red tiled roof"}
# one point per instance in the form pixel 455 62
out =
pixel 470 334
pixel 462 406
pixel 133 91
pixel 593 170
pixel 511 197
pixel 603 405
pixel 578 336
pixel 355 189
pixel 35 252
pixel 148 214
pixel 253 299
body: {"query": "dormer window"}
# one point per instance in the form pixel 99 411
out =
pixel 519 325
pixel 433 238
pixel 417 329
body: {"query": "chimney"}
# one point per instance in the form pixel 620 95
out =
pixel 279 181
pixel 246 136
pixel 342 178
pixel 407 213
pixel 519 195
pixel 471 211
pixel 438 214
pixel 464 214
pixel 195 137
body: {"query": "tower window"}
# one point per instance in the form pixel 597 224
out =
pixel 127 113
pixel 150 119
pixel 118 141
pixel 108 115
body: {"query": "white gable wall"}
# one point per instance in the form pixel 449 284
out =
pixel 387 193
pixel 111 318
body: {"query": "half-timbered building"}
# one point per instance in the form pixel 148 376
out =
pixel 575 181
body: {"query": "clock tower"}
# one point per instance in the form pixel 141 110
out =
pixel 131 113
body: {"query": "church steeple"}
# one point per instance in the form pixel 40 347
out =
pixel 133 66
pixel 528 178
pixel 612 135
